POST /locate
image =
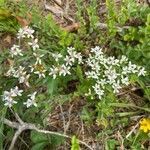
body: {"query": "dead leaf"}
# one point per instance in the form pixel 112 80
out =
pixel 23 22
pixel 7 39
pixel 54 9
pixel 72 28
pixel 10 62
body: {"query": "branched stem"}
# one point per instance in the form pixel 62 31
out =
pixel 28 126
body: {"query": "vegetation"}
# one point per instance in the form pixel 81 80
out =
pixel 74 75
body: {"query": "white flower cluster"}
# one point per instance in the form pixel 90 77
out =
pixel 37 68
pixel 108 71
pixel 20 74
pixel 8 96
pixel 25 32
pixel 69 60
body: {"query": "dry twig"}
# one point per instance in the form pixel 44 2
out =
pixel 22 126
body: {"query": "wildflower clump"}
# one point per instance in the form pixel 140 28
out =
pixel 109 72
pixel 21 72
pixel 105 73
pixel 24 69
pixel 145 125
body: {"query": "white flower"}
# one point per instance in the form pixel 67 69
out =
pixel 64 70
pixel 112 61
pixel 96 87
pixel 11 71
pixel 21 33
pixel 116 86
pixel 102 82
pixel 98 90
pixel 92 74
pixel 34 44
pixel 72 53
pixel 68 60
pixel 125 80
pixel 97 50
pixel 8 96
pixel 56 56
pixel 22 76
pixel 15 50
pixel 29 32
pixel 54 71
pixel 100 93
pixel 32 96
pixel 16 91
pixel 100 58
pixel 103 61
pixel 38 58
pixel 31 100
pixel 89 61
pixel 123 59
pixel 111 75
pixel 95 66
pixel 40 73
pixel 142 71
pixel 19 72
pixel 70 49
pixel 25 32
pixel 125 70
pixel 25 79
pixel 132 68
pixel 79 57
pixel 10 102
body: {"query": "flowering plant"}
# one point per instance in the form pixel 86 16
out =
pixel 103 72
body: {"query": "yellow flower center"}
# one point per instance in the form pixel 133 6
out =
pixel 39 67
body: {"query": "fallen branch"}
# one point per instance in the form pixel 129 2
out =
pixel 28 126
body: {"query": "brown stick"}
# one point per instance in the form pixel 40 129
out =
pixel 27 126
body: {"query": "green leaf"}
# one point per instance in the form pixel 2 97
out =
pixel 110 144
pixel 75 144
pixel 4 13
pixel 79 73
pixel 56 140
pixel 148 20
pixel 2 2
pixel 51 85
pixel 39 146
pixel 38 137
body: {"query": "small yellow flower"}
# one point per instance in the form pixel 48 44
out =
pixel 145 125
